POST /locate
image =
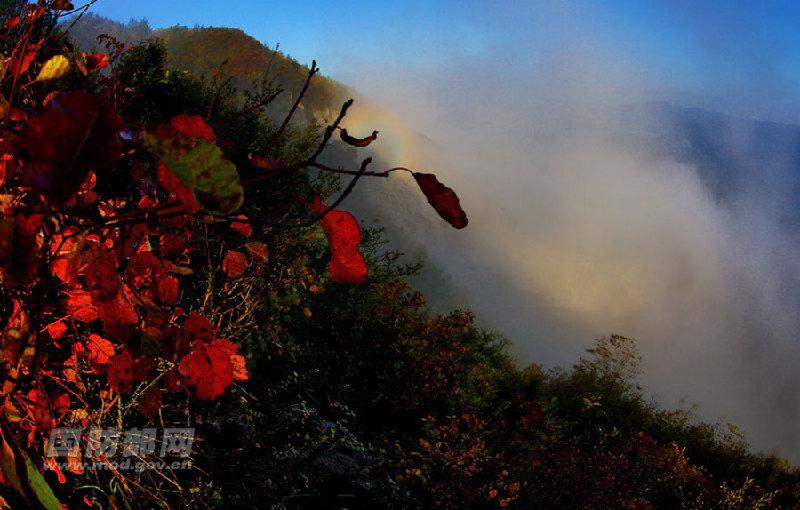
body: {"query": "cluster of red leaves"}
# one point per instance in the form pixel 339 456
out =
pixel 96 280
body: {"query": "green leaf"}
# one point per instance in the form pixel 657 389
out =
pixel 201 167
pixel 25 478
pixel 40 488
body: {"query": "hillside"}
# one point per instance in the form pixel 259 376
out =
pixel 227 53
pixel 231 52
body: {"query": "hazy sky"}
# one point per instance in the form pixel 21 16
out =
pixel 740 56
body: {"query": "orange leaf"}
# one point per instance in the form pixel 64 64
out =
pixel 120 372
pixel 344 235
pixel 96 61
pixel 237 360
pixel 56 329
pixel 208 370
pixel 79 306
pixel 174 185
pixel 243 228
pixel 100 351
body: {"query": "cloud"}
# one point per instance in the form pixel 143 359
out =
pixel 582 225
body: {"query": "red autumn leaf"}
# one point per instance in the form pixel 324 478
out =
pixel 207 370
pixel 258 251
pixel 150 403
pixel 12 22
pixel 118 315
pixel 357 142
pixel 38 407
pixel 168 290
pixel 76 133
pixel 96 61
pixel 60 403
pixel 109 296
pixel 344 235
pixel 197 327
pixel 79 306
pixel 62 5
pixel 120 372
pixel 56 329
pixel 51 464
pixel 193 126
pixel 175 186
pixel 100 351
pixel 67 262
pixel 144 265
pixel 21 63
pixel 234 263
pixel 101 274
pixel 18 320
pixel 243 228
pixel 443 199
pixel 237 360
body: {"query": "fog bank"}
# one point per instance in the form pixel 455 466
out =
pixel 583 222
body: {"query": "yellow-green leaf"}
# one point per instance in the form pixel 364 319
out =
pixel 54 68
pixel 4 63
pixel 201 166
pixel 24 478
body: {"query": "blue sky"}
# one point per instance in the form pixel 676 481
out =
pixel 724 53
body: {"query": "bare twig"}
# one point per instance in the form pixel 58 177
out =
pixel 258 104
pixel 83 9
pixel 345 193
pixel 331 129
pixel 385 173
pixel 311 72
pixel 271 59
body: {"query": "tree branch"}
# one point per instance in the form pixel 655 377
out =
pixel 362 171
pixel 311 72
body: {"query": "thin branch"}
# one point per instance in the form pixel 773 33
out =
pixel 271 59
pixel 311 72
pixel 331 129
pixel 385 173
pixel 361 172
pixel 83 9
pixel 258 104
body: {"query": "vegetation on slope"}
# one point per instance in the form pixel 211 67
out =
pixel 225 54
